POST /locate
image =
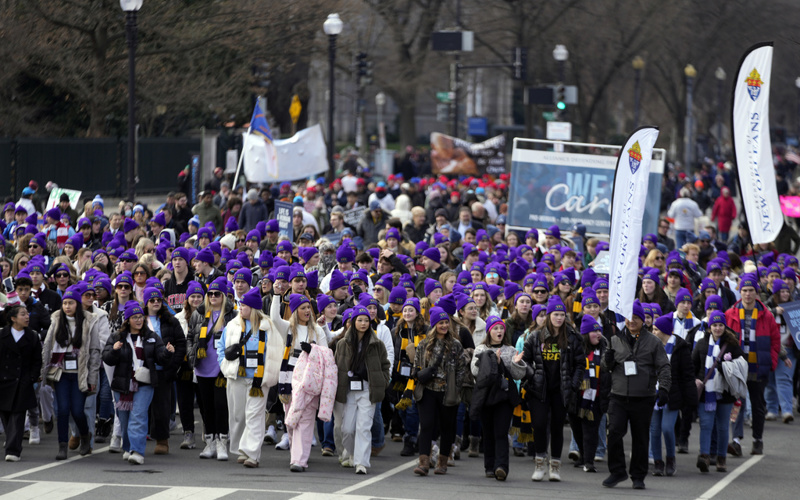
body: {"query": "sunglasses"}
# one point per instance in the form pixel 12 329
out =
pixel 62 275
pixel 215 294
pixel 539 291
pixel 660 257
pixel 240 241
pixel 137 273
pixel 124 287
pixel 33 245
pixel 154 301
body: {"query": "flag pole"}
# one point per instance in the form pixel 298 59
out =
pixel 241 156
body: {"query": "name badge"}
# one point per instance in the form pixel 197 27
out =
pixel 251 359
pixel 356 385
pixel 630 368
pixel 589 394
pixel 70 361
pixel 405 371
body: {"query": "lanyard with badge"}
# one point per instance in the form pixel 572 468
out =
pixel 71 360
pixel 356 383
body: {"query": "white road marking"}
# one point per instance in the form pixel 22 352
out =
pixel 51 465
pixel 179 493
pixel 50 491
pixel 711 492
pixel 379 477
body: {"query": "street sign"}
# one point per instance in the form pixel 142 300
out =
pixel 539 95
pixel 549 116
pixel 478 126
pixel 442 112
pixel 295 108
pixel 445 97
pixel 559 131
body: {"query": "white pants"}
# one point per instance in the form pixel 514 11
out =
pixel 46 396
pixel 255 418
pixel 357 426
pixel 236 393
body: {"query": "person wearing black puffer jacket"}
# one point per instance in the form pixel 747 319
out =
pixel 164 324
pixel 133 352
pixel 557 355
pixel 682 395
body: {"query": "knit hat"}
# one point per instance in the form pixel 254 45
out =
pixel 779 285
pixel 664 324
pixel 21 208
pixel 420 247
pixel 73 292
pixel 366 300
pixel 297 271
pixel 600 284
pixel 707 284
pixel 716 316
pixel 588 278
pixel 493 320
pixel 532 233
pixel 125 277
pixel 282 273
pixel 588 296
pixel 132 308
pixel 683 295
pixel 510 289
pixel 638 310
pixel 296 300
pixel 648 309
pixel 589 324
pixel 448 303
pixel 463 300
pixel 324 301
pixel 283 246
pixel 713 302
pixel 774 268
pixel 555 304
pixel 392 233
pixel 652 238
pixel 243 274
pixel 520 295
pixel 98 201
pixel 713 265
pixel 553 231
pixel 413 302
pixel 347 315
pixel 433 254
pixel 205 255
pixel 748 279
pixel 194 287
pixel 516 272
pixel 231 225
pixel 789 274
pixel 541 282
pixel 232 266
pixel 431 285
pixel 655 308
pixel 129 225
pixel 151 293
pixel 398 295
pixel 437 315
pixel 359 311
pixel 219 285
pixel 252 299
pixel 652 274
pixel 53 213
pixel 345 254
pixel 337 280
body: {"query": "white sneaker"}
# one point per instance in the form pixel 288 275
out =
pixel 34 437
pixel 771 416
pixel 434 453
pixel 360 469
pixel 313 441
pixel 555 470
pixel 787 417
pixel 284 444
pixel 539 470
pixel 126 456
pixel 210 451
pixel 271 437
pixel 116 444
pixel 222 448
pixel 598 458
pixel 14 458
pixel 136 459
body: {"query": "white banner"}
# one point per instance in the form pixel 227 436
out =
pixel 752 144
pixel 301 156
pixel 627 211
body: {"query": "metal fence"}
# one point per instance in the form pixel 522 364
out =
pixel 97 166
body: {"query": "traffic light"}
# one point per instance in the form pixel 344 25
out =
pixel 364 69
pixel 560 97
pixel 519 63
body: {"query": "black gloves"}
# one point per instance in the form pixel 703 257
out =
pixel 663 397
pixel 610 357
pixel 357 293
pixel 306 347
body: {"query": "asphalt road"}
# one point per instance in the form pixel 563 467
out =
pixel 181 474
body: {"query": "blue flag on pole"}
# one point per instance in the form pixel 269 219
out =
pixel 258 123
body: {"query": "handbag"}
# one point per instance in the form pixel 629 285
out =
pixel 54 374
pixel 452 393
pixel 142 375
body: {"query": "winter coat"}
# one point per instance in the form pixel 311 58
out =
pixel 251 214
pixel 699 355
pixel 724 212
pixel 172 333
pixel 314 375
pixel 368 228
pixel 683 393
pixel 208 213
pixel 39 320
pixel 651 364
pixel 273 351
pixel 454 358
pixel 378 368
pixel 768 338
pixel 573 360
pixel 20 367
pixel 193 337
pixel 89 353
pixel 122 359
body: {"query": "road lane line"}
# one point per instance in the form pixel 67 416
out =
pixel 51 465
pixel 50 491
pixel 724 482
pixel 379 477
pixel 196 493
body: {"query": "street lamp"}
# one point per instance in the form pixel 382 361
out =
pixel 690 73
pixel 380 102
pixel 561 54
pixel 332 27
pixel 720 75
pixel 130 7
pixel 638 66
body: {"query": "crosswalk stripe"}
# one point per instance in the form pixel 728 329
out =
pixel 179 493
pixel 50 491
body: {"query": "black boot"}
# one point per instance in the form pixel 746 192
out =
pixel 103 429
pixel 658 468
pixel 62 451
pixel 86 445
pixel 670 468
pixel 408 447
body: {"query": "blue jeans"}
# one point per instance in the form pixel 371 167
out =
pixel 474 425
pixel 105 401
pixel 708 419
pixel 90 410
pixel 681 237
pixel 573 446
pixel 327 434
pixel 663 422
pixel 410 418
pixel 70 402
pixel 378 433
pixel 778 392
pixel 134 422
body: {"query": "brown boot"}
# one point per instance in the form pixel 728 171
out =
pixel 162 447
pixel 422 467
pixel 703 462
pixel 721 465
pixel 74 442
pixel 441 466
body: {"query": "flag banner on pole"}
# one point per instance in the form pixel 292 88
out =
pixel 628 201
pixel 258 148
pixel 751 144
pixel 301 156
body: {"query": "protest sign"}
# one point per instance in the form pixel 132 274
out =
pixel 454 156
pixel 283 213
pixel 55 197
